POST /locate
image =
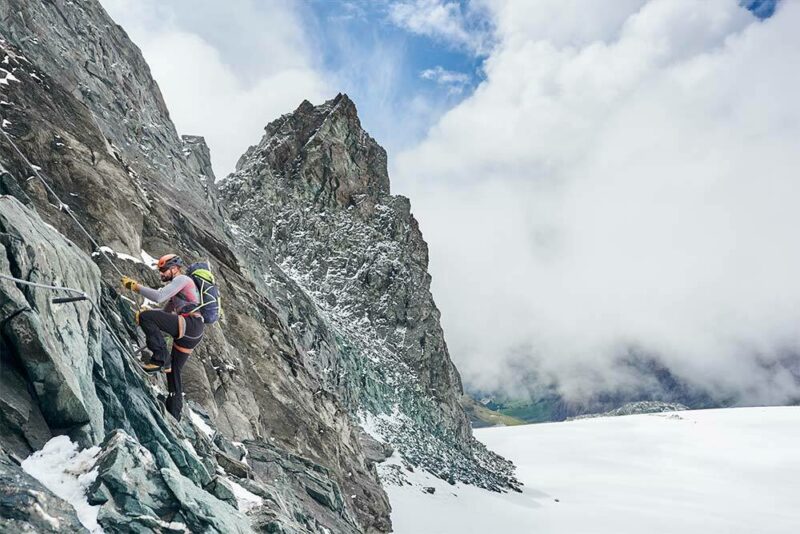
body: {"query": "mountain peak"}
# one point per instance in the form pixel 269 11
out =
pixel 323 153
pixel 307 118
pixel 312 205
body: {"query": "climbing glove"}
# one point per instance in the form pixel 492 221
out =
pixel 130 283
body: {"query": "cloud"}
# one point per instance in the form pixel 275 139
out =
pixel 455 81
pixel 561 23
pixel 228 68
pixel 224 89
pixel 445 21
pixel 624 178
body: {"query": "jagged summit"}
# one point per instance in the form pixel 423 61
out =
pixel 347 262
pixel 322 154
pixel 307 118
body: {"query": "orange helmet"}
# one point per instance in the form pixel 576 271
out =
pixel 169 260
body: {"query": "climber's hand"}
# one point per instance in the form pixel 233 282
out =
pixel 130 283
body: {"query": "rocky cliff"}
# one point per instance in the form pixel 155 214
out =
pixel 312 201
pixel 328 326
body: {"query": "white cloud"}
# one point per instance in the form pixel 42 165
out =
pixel 224 89
pixel 626 176
pixel 456 81
pixel 228 68
pixel 561 23
pixel 444 20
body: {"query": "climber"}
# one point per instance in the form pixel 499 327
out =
pixel 179 318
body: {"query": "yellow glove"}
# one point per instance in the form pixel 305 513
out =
pixel 130 283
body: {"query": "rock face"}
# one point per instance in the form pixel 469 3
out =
pixel 52 345
pixel 312 201
pixel 279 385
pixel 135 493
pixel 198 158
pixel 248 373
pixel 94 60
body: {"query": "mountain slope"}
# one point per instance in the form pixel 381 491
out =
pixel 77 101
pixel 247 374
pixel 312 201
pixel 481 416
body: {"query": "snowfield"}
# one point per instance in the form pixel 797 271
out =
pixel 709 471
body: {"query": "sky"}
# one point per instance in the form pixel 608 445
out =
pixel 226 69
pixel 592 178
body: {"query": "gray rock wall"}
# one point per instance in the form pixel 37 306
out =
pixel 328 314
pixel 248 374
pixel 94 60
pixel 50 343
pixel 346 262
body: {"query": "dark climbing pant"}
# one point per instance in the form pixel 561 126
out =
pixel 186 332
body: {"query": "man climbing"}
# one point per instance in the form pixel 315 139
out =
pixel 179 318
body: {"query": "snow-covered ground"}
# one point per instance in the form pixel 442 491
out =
pixel 709 471
pixel 68 473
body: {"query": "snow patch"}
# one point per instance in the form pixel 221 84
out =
pixel 201 424
pixel 380 426
pixel 245 499
pixel 149 260
pixel 121 255
pixel 7 78
pixel 240 445
pixel 189 446
pixel 67 472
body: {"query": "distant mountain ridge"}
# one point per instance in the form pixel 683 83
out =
pixel 535 400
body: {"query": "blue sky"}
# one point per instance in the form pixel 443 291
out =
pixel 761 8
pixel 381 64
pixel 405 63
pixel 357 39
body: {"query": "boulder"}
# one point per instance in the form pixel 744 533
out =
pixel 136 494
pixel 55 344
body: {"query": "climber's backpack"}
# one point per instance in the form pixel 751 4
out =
pixel 203 278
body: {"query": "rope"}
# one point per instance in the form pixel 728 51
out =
pixel 95 306
pixel 62 206
pixel 45 286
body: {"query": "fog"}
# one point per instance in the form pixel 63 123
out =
pixel 626 178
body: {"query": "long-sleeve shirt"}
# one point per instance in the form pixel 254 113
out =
pixel 178 294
